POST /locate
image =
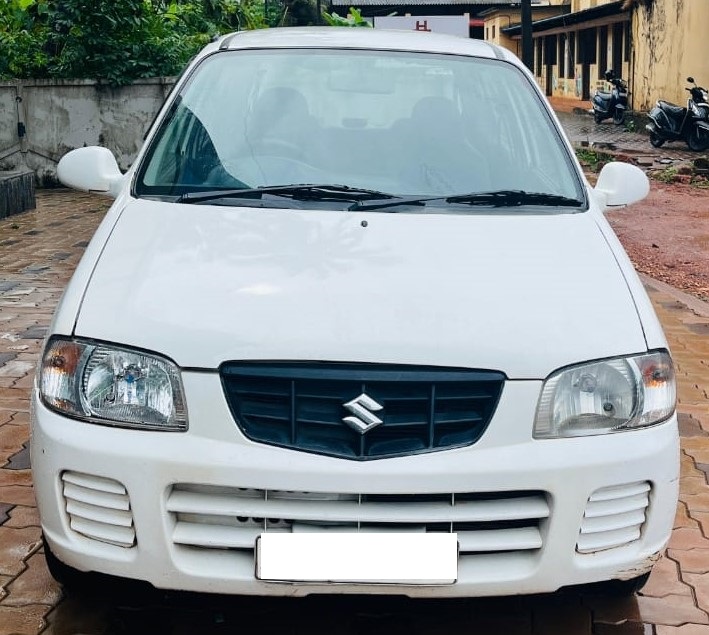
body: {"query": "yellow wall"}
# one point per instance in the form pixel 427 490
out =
pixel 506 17
pixel 582 5
pixel 669 43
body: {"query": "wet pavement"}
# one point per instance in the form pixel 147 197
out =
pixel 38 252
pixel 628 138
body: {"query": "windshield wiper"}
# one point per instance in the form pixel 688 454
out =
pixel 301 192
pixel 364 205
pixel 513 198
pixel 364 199
pixel 497 198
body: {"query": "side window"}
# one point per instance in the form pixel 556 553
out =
pixel 186 155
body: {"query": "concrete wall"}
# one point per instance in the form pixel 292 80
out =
pixel 669 43
pixel 60 115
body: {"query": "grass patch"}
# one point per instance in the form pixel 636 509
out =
pixel 666 175
pixel 592 160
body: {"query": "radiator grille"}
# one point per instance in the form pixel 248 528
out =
pixel 98 508
pixel 232 518
pixel 304 406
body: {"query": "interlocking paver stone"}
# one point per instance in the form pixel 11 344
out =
pixel 690 485
pixel 20 460
pixel 25 620
pixel 689 426
pixel 34 586
pixel 10 476
pixel 17 495
pixel 682 517
pixel 692 561
pixel 685 629
pixel 4 512
pixel 22 516
pixel 15 546
pixel 665 580
pixel 583 131
pixel 700 583
pixel 672 610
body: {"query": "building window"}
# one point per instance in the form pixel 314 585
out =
pixel 493 31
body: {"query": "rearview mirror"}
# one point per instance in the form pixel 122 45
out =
pixel 690 80
pixel 621 184
pixel 91 169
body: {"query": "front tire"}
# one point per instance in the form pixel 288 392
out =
pixel 698 139
pixel 618 116
pixel 656 141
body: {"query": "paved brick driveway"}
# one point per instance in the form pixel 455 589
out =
pixel 583 131
pixel 38 252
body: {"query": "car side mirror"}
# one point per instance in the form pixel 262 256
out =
pixel 621 184
pixel 91 169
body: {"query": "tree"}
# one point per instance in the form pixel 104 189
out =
pixel 118 41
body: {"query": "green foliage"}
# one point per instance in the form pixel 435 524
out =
pixel 354 18
pixel 666 175
pixel 118 41
pixel 22 35
pixel 592 160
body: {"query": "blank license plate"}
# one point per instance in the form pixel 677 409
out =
pixel 389 558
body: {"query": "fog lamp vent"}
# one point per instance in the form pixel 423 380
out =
pixel 98 508
pixel 614 517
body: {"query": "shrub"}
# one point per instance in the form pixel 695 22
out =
pixel 120 40
pixel 354 18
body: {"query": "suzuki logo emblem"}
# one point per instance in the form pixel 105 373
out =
pixel 363 407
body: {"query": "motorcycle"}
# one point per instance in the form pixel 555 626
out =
pixel 611 104
pixel 669 122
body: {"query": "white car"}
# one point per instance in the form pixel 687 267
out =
pixel 355 323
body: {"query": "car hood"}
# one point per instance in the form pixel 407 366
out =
pixel 524 294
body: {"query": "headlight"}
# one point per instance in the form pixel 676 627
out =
pixel 607 396
pixel 112 385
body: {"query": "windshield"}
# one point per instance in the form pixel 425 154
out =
pixel 393 123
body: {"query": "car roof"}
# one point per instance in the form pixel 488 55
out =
pixel 359 38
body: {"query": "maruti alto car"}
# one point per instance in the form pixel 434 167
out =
pixel 355 323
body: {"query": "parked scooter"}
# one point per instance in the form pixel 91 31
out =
pixel 669 122
pixel 611 104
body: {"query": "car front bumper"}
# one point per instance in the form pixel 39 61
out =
pixel 187 516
